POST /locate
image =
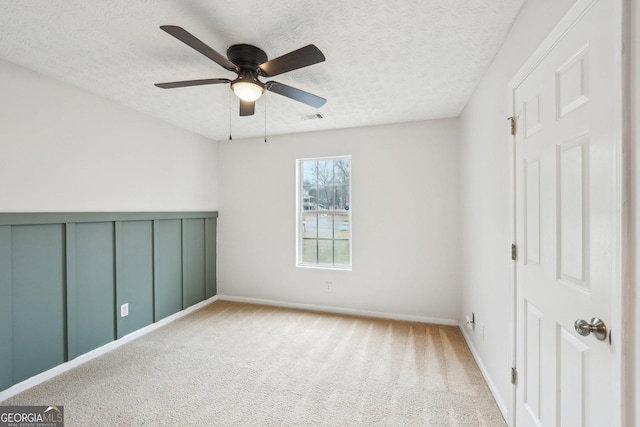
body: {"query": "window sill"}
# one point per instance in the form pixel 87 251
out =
pixel 324 267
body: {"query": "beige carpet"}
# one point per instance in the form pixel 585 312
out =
pixel 232 364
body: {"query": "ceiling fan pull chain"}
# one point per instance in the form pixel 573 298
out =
pixel 265 118
pixel 229 105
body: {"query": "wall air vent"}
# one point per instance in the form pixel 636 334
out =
pixel 314 116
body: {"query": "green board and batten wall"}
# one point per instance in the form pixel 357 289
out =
pixel 64 276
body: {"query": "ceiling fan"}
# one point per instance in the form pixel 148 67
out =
pixel 250 63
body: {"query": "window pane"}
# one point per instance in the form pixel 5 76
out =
pixel 325 226
pixel 341 172
pixel 325 251
pixel 342 197
pixel 310 251
pixel 309 225
pixel 325 184
pixel 341 254
pixel 309 185
pixel 324 197
pixel 310 172
pixel 331 197
pixel 342 226
pixel 342 178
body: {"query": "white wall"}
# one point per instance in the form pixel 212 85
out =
pixel 484 196
pixel 405 192
pixel 64 149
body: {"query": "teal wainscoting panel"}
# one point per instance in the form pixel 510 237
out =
pixel 38 276
pixel 65 275
pixel 6 310
pixel 193 255
pixel 90 286
pixel 134 274
pixel 210 252
pixel 167 241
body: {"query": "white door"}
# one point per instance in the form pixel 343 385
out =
pixel 568 209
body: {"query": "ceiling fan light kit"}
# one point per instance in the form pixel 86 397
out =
pixel 250 63
pixel 247 90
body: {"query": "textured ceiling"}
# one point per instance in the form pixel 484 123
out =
pixel 387 60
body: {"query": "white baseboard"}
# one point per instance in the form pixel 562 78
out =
pixel 57 370
pixel 492 386
pixel 340 310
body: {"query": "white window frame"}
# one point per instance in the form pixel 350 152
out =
pixel 300 211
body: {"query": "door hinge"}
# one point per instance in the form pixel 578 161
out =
pixel 512 119
pixel 514 376
pixel 514 252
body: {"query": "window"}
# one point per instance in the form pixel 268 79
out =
pixel 324 212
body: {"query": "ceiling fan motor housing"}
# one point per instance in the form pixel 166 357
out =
pixel 246 56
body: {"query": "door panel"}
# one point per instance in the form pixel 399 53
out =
pixel 532 211
pixel 573 212
pixel 532 345
pixel 567 222
pixel 572 379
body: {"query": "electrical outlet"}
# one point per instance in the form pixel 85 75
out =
pixel 328 286
pixel 124 310
pixel 471 321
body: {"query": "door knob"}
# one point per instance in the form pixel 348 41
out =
pixel 597 327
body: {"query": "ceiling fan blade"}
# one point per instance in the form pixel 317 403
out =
pixel 296 94
pixel 302 57
pixel 191 40
pixel 247 108
pixel 186 83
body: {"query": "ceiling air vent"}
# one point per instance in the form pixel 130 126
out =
pixel 314 116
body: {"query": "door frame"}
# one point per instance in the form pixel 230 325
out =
pixel 622 330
